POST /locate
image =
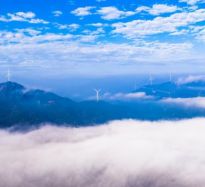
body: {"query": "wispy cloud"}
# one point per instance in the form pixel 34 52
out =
pixel 111 13
pixel 158 9
pixel 83 11
pixel 57 13
pixel 190 79
pixel 159 25
pixel 66 49
pixel 198 102
pixel 127 96
pixel 192 2
pixel 70 27
pixel 106 13
pixel 29 17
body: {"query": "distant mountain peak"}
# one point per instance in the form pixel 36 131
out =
pixel 11 86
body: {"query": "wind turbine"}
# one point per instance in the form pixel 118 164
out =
pixel 97 91
pixel 150 79
pixel 135 87
pixel 8 75
pixel 170 77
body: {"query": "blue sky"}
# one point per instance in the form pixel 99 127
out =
pixel 102 37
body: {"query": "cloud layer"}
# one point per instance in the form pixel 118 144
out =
pixel 120 154
pixel 127 96
pixel 198 102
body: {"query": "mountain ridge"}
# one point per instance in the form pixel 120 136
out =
pixel 174 90
pixel 25 108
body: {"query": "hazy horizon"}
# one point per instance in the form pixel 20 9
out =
pixel 81 87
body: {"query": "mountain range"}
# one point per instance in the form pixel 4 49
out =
pixel 20 107
pixel 174 90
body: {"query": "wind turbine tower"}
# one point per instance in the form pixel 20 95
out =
pixel 8 75
pixel 97 91
pixel 150 79
pixel 170 77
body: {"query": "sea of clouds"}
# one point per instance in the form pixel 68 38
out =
pixel 124 153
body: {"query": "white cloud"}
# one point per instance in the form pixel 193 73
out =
pixel 26 15
pixel 192 2
pixel 88 38
pixel 29 17
pixel 30 36
pixel 74 26
pixel 179 32
pixel 83 11
pixel 84 53
pixel 99 31
pixel 121 154
pixel 198 102
pixel 158 9
pixel 97 24
pixel 158 25
pixel 71 49
pixel 71 27
pixel 31 31
pixel 126 96
pixel 190 79
pixel 200 35
pixel 107 13
pixel 57 13
pixel 111 13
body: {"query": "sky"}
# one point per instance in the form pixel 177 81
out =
pixel 101 37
